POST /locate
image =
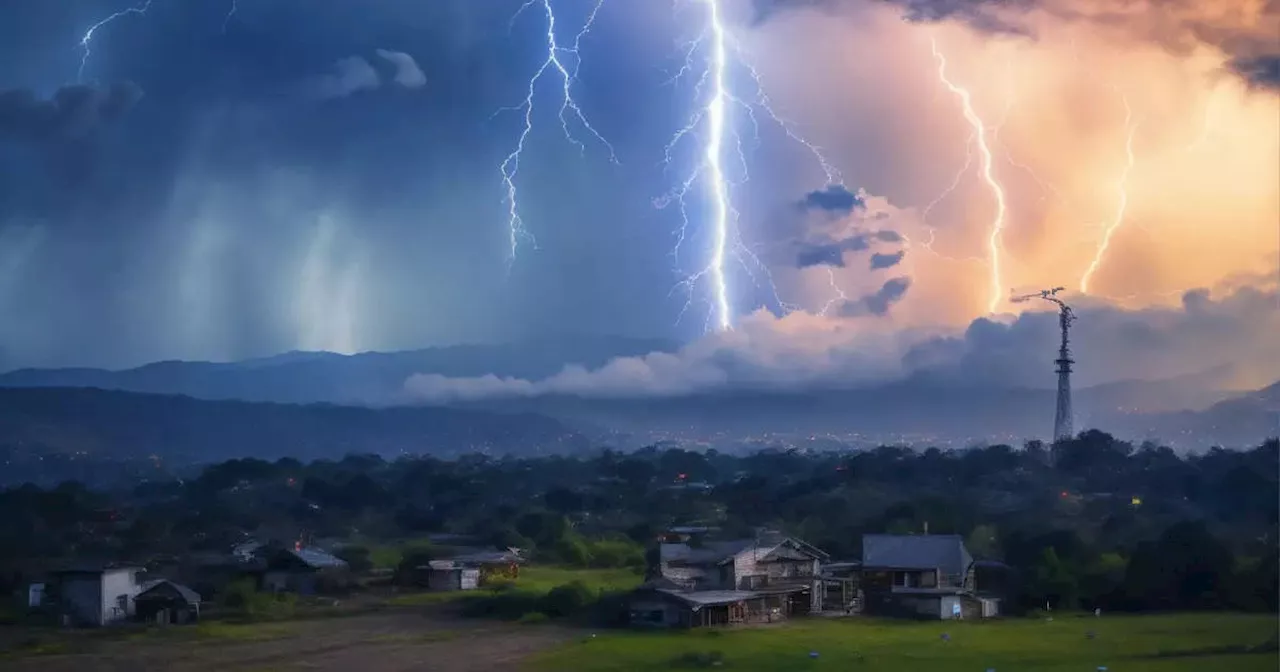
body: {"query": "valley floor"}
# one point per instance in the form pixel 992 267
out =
pixel 415 639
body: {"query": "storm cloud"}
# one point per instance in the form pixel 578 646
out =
pixel 73 112
pixel 803 350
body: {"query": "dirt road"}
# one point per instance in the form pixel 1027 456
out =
pixel 368 643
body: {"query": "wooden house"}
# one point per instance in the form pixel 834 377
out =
pixel 921 576
pixel 759 580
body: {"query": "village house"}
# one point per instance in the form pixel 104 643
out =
pixel 470 569
pixel 94 595
pixel 921 576
pixel 302 570
pixel 760 580
pixel 446 575
pixel 162 601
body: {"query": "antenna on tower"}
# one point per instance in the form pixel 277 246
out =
pixel 1063 428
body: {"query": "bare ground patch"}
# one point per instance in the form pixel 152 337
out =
pixel 385 642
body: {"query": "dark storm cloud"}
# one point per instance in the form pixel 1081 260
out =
pixel 1260 71
pixel 834 198
pixel 832 254
pixel 880 260
pixel 878 302
pixel 72 113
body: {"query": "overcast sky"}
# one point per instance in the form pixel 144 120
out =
pixel 326 175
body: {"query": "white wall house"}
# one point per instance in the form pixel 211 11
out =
pixel 96 596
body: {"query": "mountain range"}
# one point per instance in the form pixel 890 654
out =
pixel 320 404
pixel 369 378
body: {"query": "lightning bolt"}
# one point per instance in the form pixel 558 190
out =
pixel 711 120
pixel 840 296
pixel 1122 187
pixel 568 108
pixel 85 41
pixel 230 13
pixel 988 175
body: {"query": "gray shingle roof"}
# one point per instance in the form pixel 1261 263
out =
pixel 945 552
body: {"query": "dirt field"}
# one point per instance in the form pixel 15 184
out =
pixel 387 642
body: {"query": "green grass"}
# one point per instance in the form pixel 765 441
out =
pixel 533 580
pixel 1123 644
pixel 543 579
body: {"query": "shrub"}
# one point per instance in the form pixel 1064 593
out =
pixel 568 599
pixel 532 618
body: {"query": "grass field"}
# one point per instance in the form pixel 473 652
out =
pixel 535 580
pixel 1173 643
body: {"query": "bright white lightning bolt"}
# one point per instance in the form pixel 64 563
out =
pixel 511 165
pixel 88 34
pixel 988 175
pixel 1123 204
pixel 713 118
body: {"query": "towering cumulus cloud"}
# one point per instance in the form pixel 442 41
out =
pixel 1234 331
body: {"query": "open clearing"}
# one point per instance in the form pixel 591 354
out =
pixel 387 642
pixel 1209 641
pixel 409 639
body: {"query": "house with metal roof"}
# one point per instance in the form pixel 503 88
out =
pixel 921 576
pixel 302 570
pixel 767 578
pixel 163 601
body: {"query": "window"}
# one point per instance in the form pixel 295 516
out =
pixel 929 579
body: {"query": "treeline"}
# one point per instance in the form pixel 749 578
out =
pixel 1091 522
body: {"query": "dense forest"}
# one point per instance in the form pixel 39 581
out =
pixel 1091 522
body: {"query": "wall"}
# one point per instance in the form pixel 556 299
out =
pixel 654 611
pixel 95 599
pixel 119 588
pixel 80 595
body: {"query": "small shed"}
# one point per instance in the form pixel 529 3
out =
pixel 447 575
pixel 167 602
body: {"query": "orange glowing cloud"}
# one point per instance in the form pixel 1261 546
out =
pixel 1096 125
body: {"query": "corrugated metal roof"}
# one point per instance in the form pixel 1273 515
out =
pixel 314 557
pixel 191 596
pixel 944 552
pixel 704 598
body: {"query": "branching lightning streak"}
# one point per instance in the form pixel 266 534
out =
pixel 568 106
pixel 85 41
pixel 1122 187
pixel 988 175
pixel 839 297
pixel 719 132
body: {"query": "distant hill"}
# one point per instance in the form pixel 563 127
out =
pixel 365 378
pixel 1236 422
pixel 952 413
pixel 124 425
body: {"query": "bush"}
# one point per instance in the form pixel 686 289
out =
pixel 568 599
pixel 243 600
pixel 533 618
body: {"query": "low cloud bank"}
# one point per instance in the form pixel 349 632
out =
pixel 805 351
